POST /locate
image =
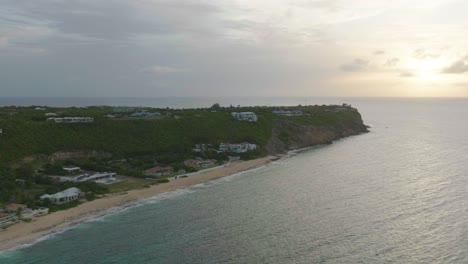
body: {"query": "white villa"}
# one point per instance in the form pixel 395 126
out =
pixel 71 119
pixel 237 148
pixel 245 116
pixel 70 194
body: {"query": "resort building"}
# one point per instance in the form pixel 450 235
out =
pixel 237 148
pixel 7 219
pixel 70 194
pixel 197 163
pixel 245 116
pixel 159 171
pixel 71 119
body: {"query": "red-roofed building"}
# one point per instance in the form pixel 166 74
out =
pixel 13 207
pixel 159 171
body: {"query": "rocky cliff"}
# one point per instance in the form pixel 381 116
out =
pixel 289 135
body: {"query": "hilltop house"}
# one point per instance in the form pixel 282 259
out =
pixel 237 148
pixel 71 119
pixel 196 163
pixel 70 194
pixel 287 112
pixel 245 116
pixel 159 171
pixel 145 114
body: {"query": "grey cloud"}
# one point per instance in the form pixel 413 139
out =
pixel 355 65
pixel 423 54
pixel 161 69
pixel 379 52
pixel 392 62
pixel 459 66
pixel 406 74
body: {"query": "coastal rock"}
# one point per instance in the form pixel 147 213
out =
pixel 288 135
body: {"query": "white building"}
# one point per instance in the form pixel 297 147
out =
pixel 50 114
pixel 70 194
pixel 71 170
pixel 71 119
pixel 101 176
pixel 245 116
pixel 7 219
pixel 237 148
pixel 30 213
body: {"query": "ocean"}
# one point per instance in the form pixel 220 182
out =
pixel 394 195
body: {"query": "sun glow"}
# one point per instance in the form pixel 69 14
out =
pixel 425 69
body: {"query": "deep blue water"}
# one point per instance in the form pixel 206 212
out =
pixel 394 195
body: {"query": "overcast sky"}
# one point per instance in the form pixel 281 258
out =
pixel 151 48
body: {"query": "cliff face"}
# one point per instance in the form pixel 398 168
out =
pixel 288 135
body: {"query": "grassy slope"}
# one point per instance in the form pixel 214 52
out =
pixel 26 132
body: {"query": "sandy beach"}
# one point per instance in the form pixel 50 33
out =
pixel 26 233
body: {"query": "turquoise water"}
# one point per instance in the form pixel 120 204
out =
pixel 394 195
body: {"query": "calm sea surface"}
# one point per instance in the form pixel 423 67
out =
pixel 395 195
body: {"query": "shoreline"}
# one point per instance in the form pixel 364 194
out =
pixel 22 234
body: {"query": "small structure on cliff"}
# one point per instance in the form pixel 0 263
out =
pixel 245 116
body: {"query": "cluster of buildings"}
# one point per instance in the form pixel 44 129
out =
pixel 199 163
pixel 245 116
pixel 71 119
pixel 237 148
pixel 66 196
pixel 202 147
pixel 287 112
pixel 13 212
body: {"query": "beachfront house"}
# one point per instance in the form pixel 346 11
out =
pixel 7 219
pixel 30 213
pixel 237 148
pixel 199 163
pixel 159 171
pixel 71 119
pixel 70 194
pixel 245 116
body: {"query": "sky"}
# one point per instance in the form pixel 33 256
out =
pixel 161 48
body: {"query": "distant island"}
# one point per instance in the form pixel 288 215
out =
pixel 53 159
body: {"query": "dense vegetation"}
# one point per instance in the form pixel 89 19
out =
pixel 28 141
